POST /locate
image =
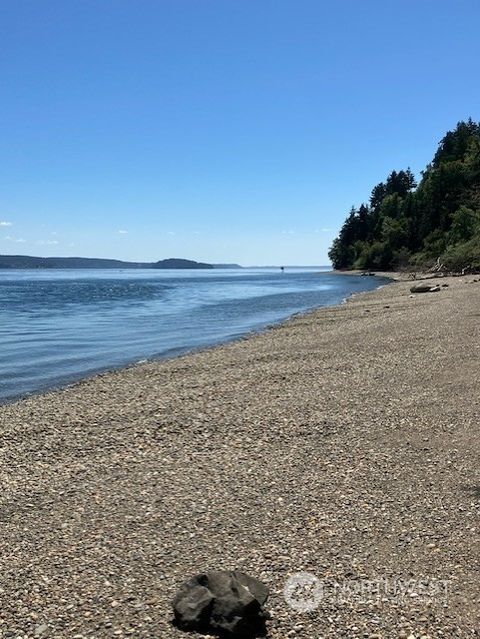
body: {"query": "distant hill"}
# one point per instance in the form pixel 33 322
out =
pixel 26 261
pixel 174 262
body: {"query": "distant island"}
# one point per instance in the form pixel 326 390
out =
pixel 433 225
pixel 28 262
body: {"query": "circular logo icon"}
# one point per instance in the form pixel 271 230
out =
pixel 303 592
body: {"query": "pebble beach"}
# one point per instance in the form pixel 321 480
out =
pixel 343 443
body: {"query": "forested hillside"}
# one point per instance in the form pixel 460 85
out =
pixel 433 224
pixel 29 262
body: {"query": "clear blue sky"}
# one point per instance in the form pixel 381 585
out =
pixel 218 130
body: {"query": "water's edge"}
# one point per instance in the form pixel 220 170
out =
pixel 177 353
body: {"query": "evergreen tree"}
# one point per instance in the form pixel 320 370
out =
pixel 406 223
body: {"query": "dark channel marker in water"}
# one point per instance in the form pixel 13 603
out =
pixel 58 326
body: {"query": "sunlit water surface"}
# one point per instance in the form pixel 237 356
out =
pixel 60 325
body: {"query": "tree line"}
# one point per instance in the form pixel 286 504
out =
pixel 433 223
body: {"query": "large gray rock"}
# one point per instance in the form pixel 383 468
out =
pixel 222 602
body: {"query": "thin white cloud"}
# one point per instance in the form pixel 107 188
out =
pixel 48 242
pixel 122 232
pixel 170 233
pixel 5 223
pixel 9 238
pixel 325 230
pixel 288 232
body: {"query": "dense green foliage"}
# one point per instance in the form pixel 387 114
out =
pixel 436 222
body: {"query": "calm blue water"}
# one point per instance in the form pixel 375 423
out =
pixel 57 326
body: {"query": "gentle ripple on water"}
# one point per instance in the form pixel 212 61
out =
pixel 57 326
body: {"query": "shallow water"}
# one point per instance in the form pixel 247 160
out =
pixel 60 325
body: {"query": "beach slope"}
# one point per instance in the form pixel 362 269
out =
pixel 344 443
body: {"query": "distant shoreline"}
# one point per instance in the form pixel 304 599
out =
pixel 8 262
pixel 28 262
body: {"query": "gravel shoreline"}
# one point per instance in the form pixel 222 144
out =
pixel 343 442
